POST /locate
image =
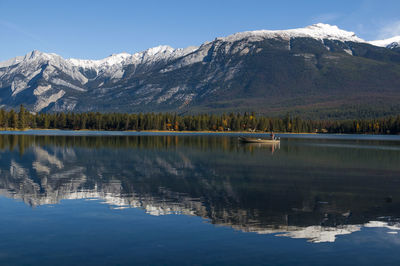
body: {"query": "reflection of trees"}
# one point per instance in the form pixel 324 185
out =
pixel 208 143
pixel 212 177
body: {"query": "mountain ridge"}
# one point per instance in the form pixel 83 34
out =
pixel 294 68
pixel 319 30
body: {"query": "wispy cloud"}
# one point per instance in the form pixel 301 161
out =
pixel 390 30
pixel 19 30
pixel 326 17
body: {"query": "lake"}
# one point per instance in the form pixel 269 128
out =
pixel 124 198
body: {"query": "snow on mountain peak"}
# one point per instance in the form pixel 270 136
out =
pixel 38 55
pixel 34 55
pixel 164 52
pixel 326 31
pixel 155 53
pixel 387 42
pixel 159 49
pixel 12 61
pixel 316 31
pixel 105 62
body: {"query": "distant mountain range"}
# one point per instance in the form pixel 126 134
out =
pixel 319 71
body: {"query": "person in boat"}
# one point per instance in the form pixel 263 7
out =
pixel 272 135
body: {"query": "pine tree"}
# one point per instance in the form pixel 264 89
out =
pixel 22 117
pixel 13 119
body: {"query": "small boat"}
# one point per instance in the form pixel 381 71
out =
pixel 259 140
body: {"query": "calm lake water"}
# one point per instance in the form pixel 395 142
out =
pixel 96 198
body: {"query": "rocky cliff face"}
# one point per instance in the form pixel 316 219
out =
pixel 312 71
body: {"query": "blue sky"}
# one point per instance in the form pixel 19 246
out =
pixel 96 29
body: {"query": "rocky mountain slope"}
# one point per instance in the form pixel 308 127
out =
pixel 319 71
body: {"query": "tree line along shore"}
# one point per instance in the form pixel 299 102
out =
pixel 23 119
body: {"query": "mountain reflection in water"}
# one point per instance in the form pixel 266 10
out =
pixel 310 189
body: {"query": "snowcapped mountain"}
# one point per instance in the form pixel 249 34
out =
pixel 317 31
pixel 57 74
pixel 390 43
pixel 118 61
pixel 267 70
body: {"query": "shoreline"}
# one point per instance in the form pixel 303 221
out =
pixel 89 132
pixel 186 132
pixel 155 131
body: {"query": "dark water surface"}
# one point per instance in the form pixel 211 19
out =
pixel 140 198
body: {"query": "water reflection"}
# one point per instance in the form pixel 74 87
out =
pixel 308 189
